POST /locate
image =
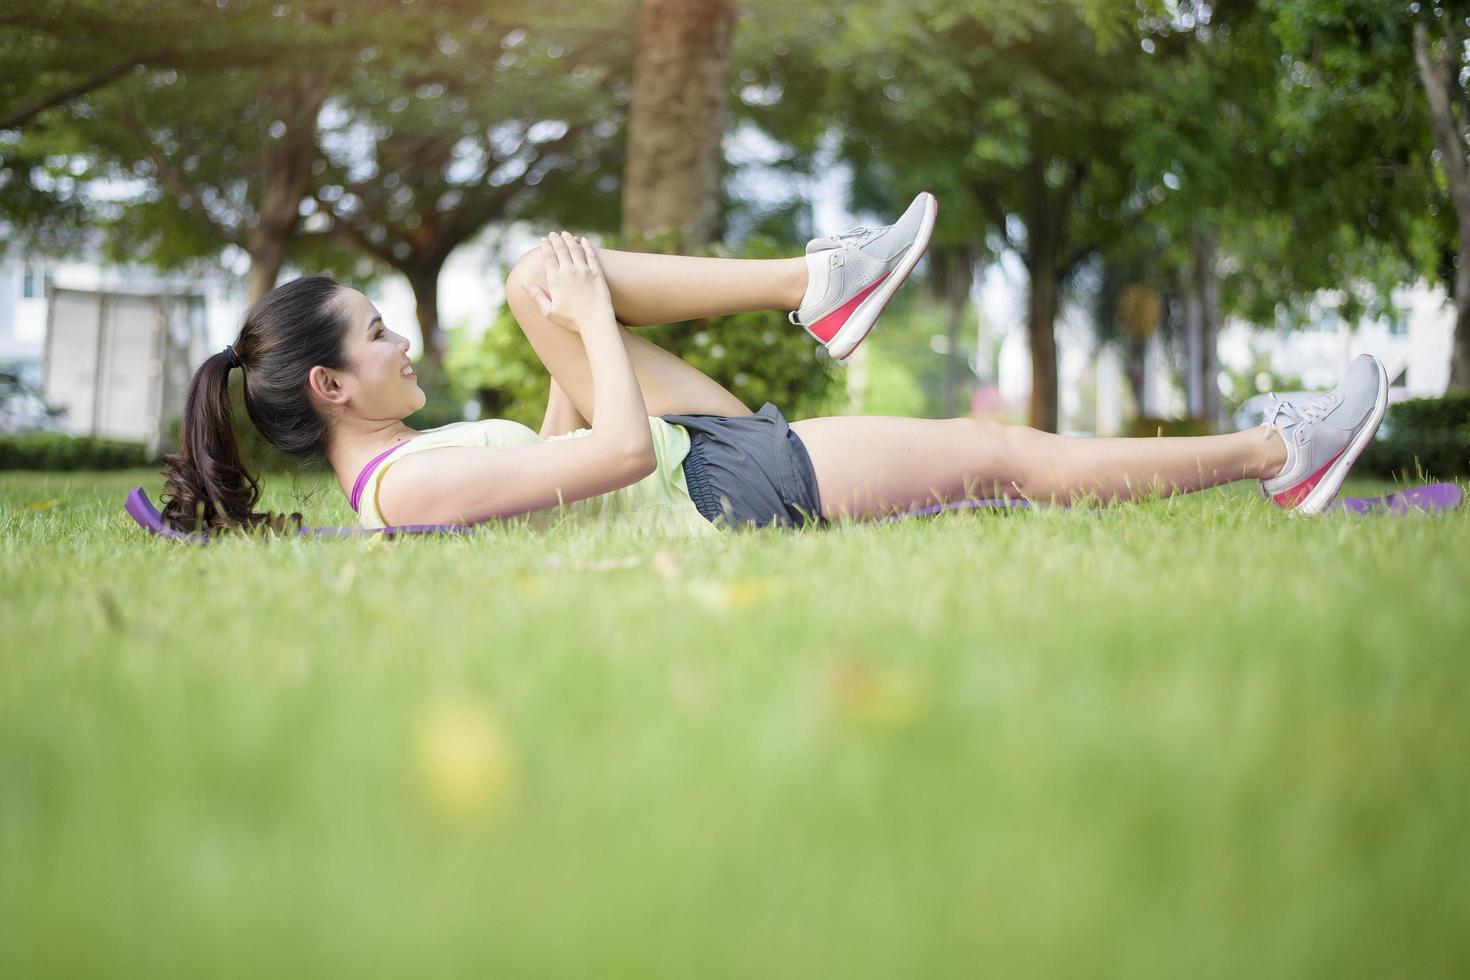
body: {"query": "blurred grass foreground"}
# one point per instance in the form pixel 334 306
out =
pixel 1193 737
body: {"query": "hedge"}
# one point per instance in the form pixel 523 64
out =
pixel 58 451
pixel 1422 438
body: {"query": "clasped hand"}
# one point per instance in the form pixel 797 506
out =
pixel 576 293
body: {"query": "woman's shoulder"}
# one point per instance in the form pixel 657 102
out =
pixel 482 432
pixel 495 433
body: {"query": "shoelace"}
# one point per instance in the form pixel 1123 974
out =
pixel 1308 411
pixel 858 234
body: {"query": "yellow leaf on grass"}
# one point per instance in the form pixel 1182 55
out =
pixel 877 697
pixel 724 596
pixel 464 759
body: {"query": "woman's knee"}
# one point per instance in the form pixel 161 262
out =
pixel 529 268
pixel 1009 450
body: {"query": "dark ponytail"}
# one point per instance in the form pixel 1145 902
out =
pixel 296 326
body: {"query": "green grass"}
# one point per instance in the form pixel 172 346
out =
pixel 1191 737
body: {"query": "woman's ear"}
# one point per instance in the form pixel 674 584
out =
pixel 325 387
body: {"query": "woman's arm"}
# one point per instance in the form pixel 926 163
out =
pixel 577 297
pixel 472 484
pixel 561 415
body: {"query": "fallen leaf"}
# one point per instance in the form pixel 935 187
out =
pixel 665 565
pixel 464 759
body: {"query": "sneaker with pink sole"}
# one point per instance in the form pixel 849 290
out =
pixel 1324 436
pixel 853 275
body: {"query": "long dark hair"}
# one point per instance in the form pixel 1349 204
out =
pixel 293 328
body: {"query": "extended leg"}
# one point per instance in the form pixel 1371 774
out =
pixel 873 466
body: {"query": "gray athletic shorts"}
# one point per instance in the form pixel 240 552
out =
pixel 749 470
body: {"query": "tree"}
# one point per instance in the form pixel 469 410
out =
pixel 227 148
pixel 1442 67
pixel 671 181
pixel 1372 90
pixel 495 122
pixel 62 50
pixel 1006 106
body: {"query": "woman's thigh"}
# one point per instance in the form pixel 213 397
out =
pixel 870 465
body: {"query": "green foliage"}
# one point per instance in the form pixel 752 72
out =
pixel 444 399
pixel 893 387
pixel 1422 438
pixel 905 375
pixel 59 451
pixel 500 370
pixel 1448 412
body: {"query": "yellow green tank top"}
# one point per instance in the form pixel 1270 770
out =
pixel 658 503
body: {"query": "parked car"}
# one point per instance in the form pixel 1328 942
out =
pixel 22 409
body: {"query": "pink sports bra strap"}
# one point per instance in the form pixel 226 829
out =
pixel 367 471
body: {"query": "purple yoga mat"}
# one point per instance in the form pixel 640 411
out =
pixel 141 509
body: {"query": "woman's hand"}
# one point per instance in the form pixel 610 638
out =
pixel 576 294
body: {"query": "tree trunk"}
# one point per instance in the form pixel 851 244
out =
pixel 1436 72
pixel 1047 213
pixel 267 255
pixel 1193 346
pixel 1207 287
pixel 424 279
pixel 1041 315
pixel 961 279
pixel 951 277
pixel 1136 354
pixel 286 174
pixel 671 182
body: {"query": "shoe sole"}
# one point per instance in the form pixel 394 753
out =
pixel 861 322
pixel 1320 496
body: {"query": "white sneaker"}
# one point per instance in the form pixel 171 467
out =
pixel 856 273
pixel 1324 436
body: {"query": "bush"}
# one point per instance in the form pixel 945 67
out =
pixel 500 370
pixel 1445 414
pixel 1422 438
pixel 59 451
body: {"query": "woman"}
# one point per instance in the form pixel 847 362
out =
pixel 634 435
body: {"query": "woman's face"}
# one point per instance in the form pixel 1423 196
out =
pixel 382 384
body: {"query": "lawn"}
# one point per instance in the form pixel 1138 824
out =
pixel 1192 737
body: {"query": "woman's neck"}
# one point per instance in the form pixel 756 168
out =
pixel 352 448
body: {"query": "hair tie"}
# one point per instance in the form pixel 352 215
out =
pixel 234 358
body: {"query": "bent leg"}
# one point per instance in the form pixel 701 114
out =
pixel 872 466
pixel 670 386
pixel 649 288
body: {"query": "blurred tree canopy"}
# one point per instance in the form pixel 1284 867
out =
pixel 1212 159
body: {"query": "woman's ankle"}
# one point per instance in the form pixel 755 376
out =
pixel 797 280
pixel 1273 459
